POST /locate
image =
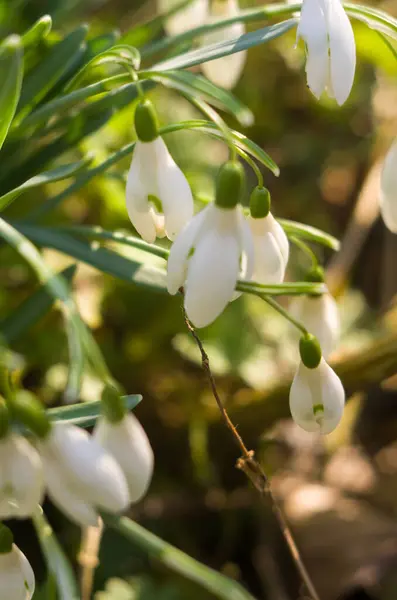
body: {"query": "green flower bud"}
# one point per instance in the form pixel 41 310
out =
pixel 315 275
pixel 310 351
pixel 260 202
pixel 6 539
pixel 112 404
pixel 230 184
pixel 4 418
pixel 27 409
pixel 146 123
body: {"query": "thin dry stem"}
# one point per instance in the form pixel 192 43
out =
pixel 253 470
pixel 88 558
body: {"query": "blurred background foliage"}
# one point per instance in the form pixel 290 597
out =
pixel 339 493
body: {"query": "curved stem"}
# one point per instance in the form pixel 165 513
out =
pixel 283 312
pixel 252 164
pixel 306 249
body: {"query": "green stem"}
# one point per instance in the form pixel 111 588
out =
pixel 177 561
pixel 252 164
pixel 283 312
pixel 306 249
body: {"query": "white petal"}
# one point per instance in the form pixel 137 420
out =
pixel 173 191
pixel 87 469
pixel 193 15
pixel 141 182
pixel 312 388
pixel 128 443
pixel 225 71
pixel 320 316
pixel 178 258
pixel 342 51
pixel 247 248
pixel 271 250
pixel 16 576
pixel 312 29
pixel 275 228
pixel 213 269
pixel 388 189
pixel 21 478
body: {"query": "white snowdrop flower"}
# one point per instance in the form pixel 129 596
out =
pixel 212 252
pixel 317 398
pixel 226 71
pixel 331 49
pixel 17 580
pixel 158 196
pixel 21 478
pixel 388 189
pixel 320 316
pixel 128 443
pixel 80 475
pixel 271 249
pixel 192 15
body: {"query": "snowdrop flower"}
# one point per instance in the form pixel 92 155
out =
pixel 213 251
pixel 21 478
pixel 192 15
pixel 158 196
pixel 80 475
pixel 128 443
pixel 225 71
pixel 270 242
pixel 317 396
pixel 331 49
pixel 320 316
pixel 388 189
pixel 16 575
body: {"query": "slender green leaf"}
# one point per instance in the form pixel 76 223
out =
pixel 31 310
pixel 213 51
pixel 376 19
pixel 63 172
pixel 87 413
pixel 101 43
pixel 196 85
pixel 312 234
pixel 51 69
pixel 37 32
pixel 177 561
pixel 282 289
pixel 11 75
pixel 56 559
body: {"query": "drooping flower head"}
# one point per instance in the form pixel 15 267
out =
pixel 193 14
pixel 17 580
pixel 213 251
pixel 331 49
pixel 158 196
pixel 225 71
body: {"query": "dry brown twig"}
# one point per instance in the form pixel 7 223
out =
pixel 253 470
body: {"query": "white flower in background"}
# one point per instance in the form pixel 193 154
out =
pixel 331 49
pixel 128 443
pixel 193 15
pixel 317 398
pixel 271 249
pixel 16 576
pixel 320 316
pixel 80 475
pixel 159 199
pixel 207 258
pixel 388 189
pixel 21 478
pixel 225 71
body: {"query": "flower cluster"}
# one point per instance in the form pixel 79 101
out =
pixel 82 474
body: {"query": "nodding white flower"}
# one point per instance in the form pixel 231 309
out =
pixel 21 478
pixel 331 49
pixel 271 249
pixel 388 189
pixel 80 475
pixel 320 316
pixel 16 576
pixel 225 71
pixel 159 198
pixel 317 398
pixel 192 15
pixel 208 257
pixel 128 443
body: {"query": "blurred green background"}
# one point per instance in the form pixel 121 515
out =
pixel 339 493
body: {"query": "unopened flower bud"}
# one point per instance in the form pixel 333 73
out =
pixel 230 184
pixel 16 575
pixel 112 404
pixel 310 351
pixel 146 122
pixel 260 202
